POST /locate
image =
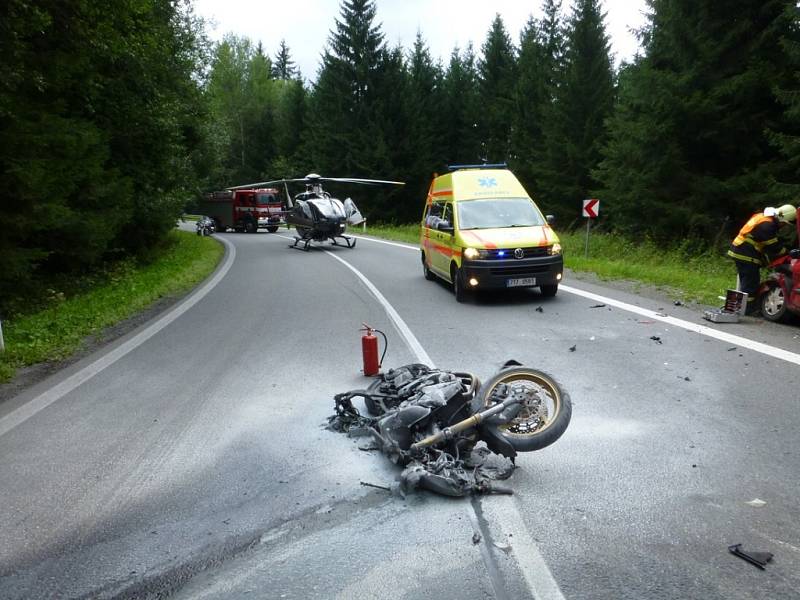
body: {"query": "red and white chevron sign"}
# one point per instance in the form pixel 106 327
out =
pixel 591 208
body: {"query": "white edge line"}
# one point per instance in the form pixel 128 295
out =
pixel 722 336
pixel 701 329
pixel 45 399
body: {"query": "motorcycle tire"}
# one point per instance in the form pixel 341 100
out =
pixel 537 425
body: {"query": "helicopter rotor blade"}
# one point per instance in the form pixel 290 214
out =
pixel 361 181
pixel 314 178
pixel 266 183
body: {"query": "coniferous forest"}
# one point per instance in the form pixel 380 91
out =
pixel 114 121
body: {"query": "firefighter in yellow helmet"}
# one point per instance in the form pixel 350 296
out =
pixel 757 244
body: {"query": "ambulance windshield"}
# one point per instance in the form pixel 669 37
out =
pixel 488 213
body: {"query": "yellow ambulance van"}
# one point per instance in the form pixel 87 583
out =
pixel 481 230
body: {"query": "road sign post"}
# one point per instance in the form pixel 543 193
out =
pixel 591 208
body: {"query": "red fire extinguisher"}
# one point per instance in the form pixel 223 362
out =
pixel 369 350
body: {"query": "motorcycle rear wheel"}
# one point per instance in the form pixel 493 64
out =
pixel 545 413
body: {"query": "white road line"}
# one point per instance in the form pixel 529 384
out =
pixel 45 399
pixel 728 338
pixel 538 577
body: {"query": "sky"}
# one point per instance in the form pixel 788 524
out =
pixel 306 24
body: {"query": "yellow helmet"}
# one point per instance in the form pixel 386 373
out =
pixel 786 213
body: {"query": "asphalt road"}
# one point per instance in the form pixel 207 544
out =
pixel 189 458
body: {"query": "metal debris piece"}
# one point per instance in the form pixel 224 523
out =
pixel 503 547
pixel 372 485
pixel 759 559
pixel 756 503
pixel 655 338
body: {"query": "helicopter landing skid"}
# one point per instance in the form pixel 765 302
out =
pixel 351 242
pixel 298 239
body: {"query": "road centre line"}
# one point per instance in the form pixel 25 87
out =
pixel 537 575
pixel 46 398
pixel 722 336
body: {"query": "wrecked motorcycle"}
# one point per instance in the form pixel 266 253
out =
pixel 453 434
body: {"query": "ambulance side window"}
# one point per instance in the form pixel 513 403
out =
pixel 447 213
pixel 434 215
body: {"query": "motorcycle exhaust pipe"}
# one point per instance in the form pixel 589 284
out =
pixel 470 422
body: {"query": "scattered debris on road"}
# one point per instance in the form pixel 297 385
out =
pixel 759 559
pixel 598 306
pixel 573 348
pixel 476 538
pixel 756 503
pixel 655 338
pixel 539 309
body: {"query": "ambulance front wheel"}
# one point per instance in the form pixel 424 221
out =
pixel 426 270
pixel 549 290
pixel 458 284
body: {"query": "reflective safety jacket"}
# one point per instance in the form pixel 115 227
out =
pixel 757 240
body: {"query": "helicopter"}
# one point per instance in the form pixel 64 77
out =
pixel 316 215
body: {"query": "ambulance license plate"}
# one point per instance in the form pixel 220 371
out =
pixel 520 282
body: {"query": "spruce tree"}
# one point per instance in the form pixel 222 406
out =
pixel 539 67
pixel 341 113
pixel 497 75
pixel 461 141
pixel 425 96
pixel 283 66
pixel 689 155
pixel 786 135
pixel 574 126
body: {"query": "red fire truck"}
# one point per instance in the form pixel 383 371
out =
pixel 245 210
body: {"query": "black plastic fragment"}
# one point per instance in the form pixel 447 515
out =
pixel 655 338
pixel 759 559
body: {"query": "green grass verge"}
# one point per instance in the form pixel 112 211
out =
pixel 127 288
pixel 679 272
